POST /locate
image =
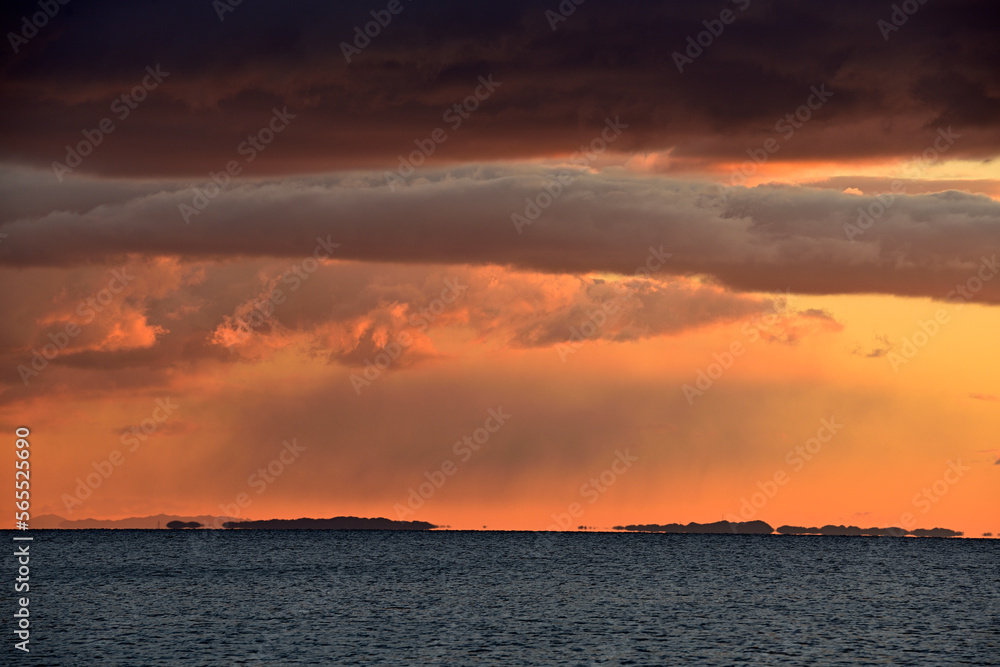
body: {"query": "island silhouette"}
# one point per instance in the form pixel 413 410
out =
pixel 337 523
pixel 208 522
pixel 762 528
pixel 869 532
pixel 719 527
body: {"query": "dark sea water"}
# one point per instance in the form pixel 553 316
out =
pixel 460 598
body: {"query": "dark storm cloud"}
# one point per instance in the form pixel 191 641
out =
pixel 557 86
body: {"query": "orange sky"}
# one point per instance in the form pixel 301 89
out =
pixel 363 451
pixel 672 279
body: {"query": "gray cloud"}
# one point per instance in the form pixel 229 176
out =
pixel 768 238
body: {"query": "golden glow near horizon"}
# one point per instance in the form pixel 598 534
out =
pixel 572 416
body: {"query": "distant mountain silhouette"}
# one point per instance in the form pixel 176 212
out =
pixel 48 521
pixel 336 523
pixel 738 528
pixel 854 530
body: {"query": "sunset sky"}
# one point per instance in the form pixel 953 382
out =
pixel 491 263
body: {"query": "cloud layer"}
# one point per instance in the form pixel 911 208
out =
pixel 767 238
pixel 558 86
